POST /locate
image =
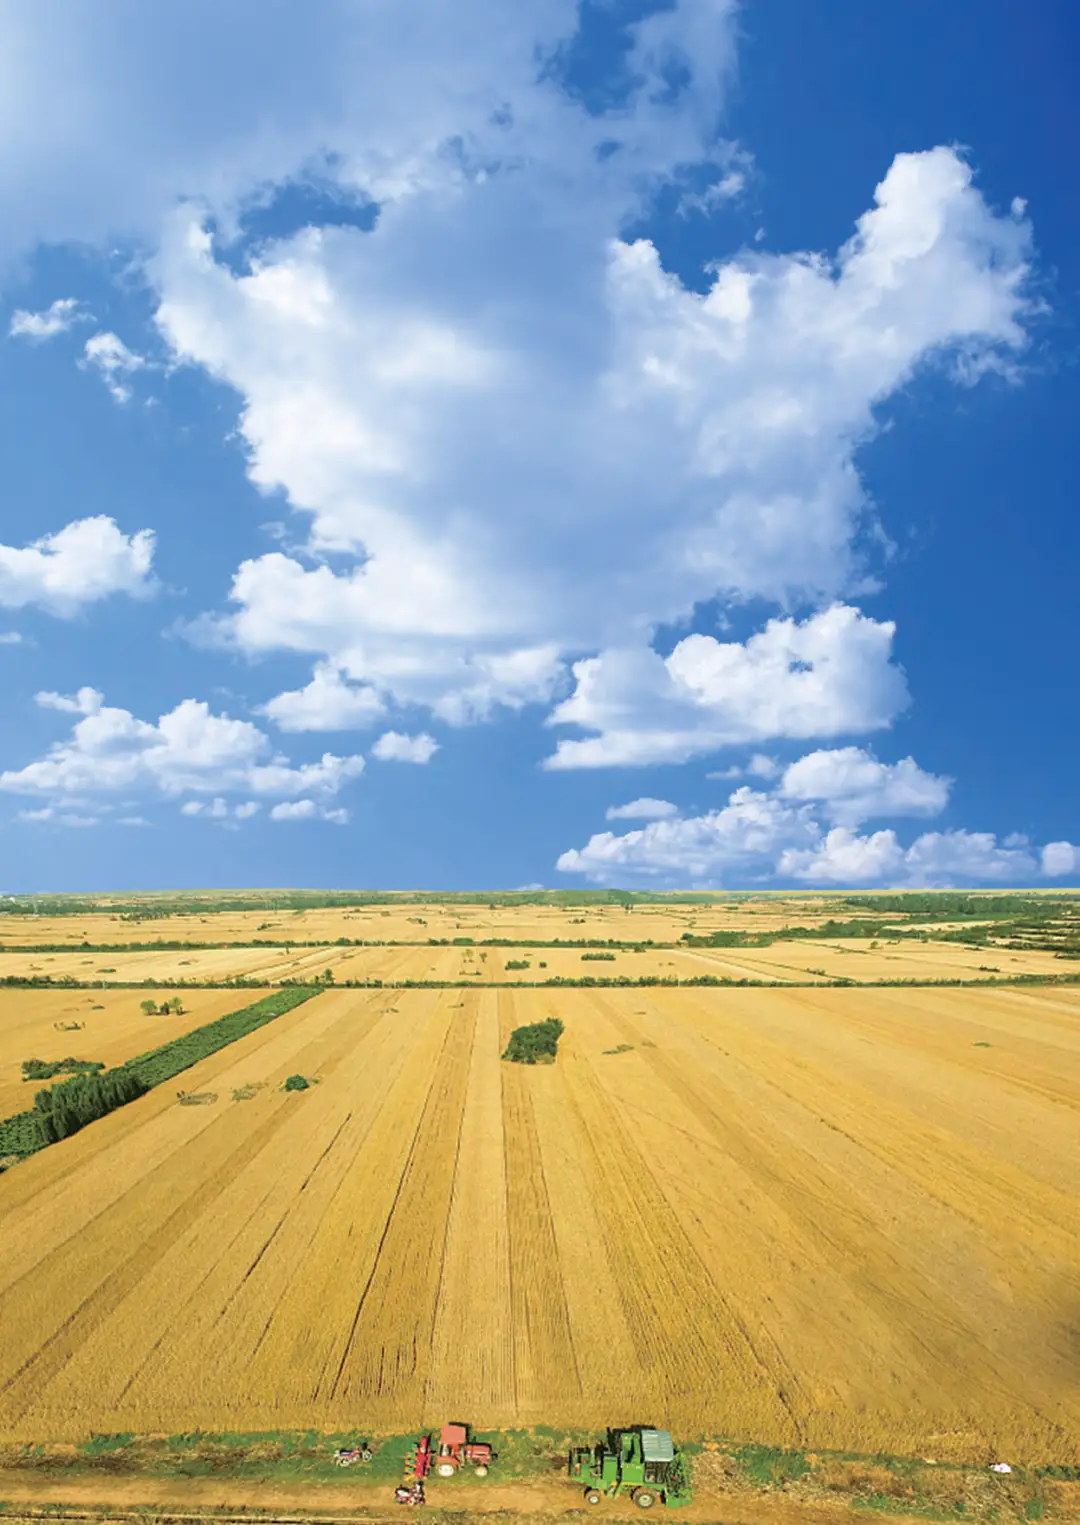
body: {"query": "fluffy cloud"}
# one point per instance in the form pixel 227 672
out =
pixel 831 673
pixel 327 703
pixel 49 815
pixel 114 362
pixel 853 786
pixel 744 836
pixel 532 439
pixel 308 810
pixel 57 319
pixel 1060 858
pixel 937 859
pixel 844 857
pixel 188 750
pixel 86 702
pixel 396 747
pixel 644 809
pixel 803 830
pixel 106 133
pixel 220 810
pixel 87 560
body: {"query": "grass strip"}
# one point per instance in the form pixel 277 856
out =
pixel 23 1134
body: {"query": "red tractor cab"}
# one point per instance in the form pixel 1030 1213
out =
pixel 456 1450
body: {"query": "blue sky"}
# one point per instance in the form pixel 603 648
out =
pixel 603 444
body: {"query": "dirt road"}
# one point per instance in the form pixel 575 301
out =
pixel 24 1497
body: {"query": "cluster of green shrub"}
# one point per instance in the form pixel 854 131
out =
pixel 69 982
pixel 65 1108
pixel 610 957
pixel 158 907
pixel 537 1043
pixel 45 1069
pixel 154 1009
pixel 160 1064
pixel 946 905
pixel 517 963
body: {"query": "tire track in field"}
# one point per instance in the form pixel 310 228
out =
pixel 829 1217
pixel 1018 1064
pixel 18 1390
pixel 545 1360
pixel 545 1363
pixel 118 1341
pixel 472 1344
pixel 688 1337
pixel 390 1336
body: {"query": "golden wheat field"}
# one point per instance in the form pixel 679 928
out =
pixel 113 1028
pixel 841 1218
pixel 417 922
pixel 794 961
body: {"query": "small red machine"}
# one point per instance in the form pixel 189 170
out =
pixel 456 1450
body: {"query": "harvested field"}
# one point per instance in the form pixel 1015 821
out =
pixel 416 923
pixel 855 959
pixel 797 961
pixel 113 1029
pixel 825 1218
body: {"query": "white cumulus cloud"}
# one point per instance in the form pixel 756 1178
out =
pixel 307 810
pixel 87 560
pixel 188 750
pixel 114 362
pixel 1060 858
pixel 59 318
pixel 219 809
pixel 643 809
pixel 327 703
pixel 535 442
pixel 396 747
pixel 744 836
pixel 87 701
pixel 829 674
pixel 854 787
pixel 937 859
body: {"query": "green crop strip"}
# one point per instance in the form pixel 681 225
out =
pixel 63 1108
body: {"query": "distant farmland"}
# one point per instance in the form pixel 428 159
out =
pixel 816 1217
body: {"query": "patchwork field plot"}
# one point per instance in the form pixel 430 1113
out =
pixel 837 1218
pixel 791 961
pixel 417 922
pixel 113 1028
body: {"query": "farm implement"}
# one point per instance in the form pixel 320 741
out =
pixel 455 1451
pixel 643 1464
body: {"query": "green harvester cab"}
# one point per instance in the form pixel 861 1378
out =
pixel 641 1463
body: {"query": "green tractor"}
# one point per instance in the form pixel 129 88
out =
pixel 641 1463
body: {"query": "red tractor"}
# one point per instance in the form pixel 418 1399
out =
pixel 456 1450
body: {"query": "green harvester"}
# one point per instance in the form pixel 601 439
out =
pixel 641 1463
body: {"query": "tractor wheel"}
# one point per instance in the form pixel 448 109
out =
pixel 644 1498
pixel 593 1495
pixel 365 1454
pixel 481 1470
pixel 446 1469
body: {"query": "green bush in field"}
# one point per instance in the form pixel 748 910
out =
pixel 536 1043
pixel 64 1109
pixel 297 1083
pixel 45 1069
